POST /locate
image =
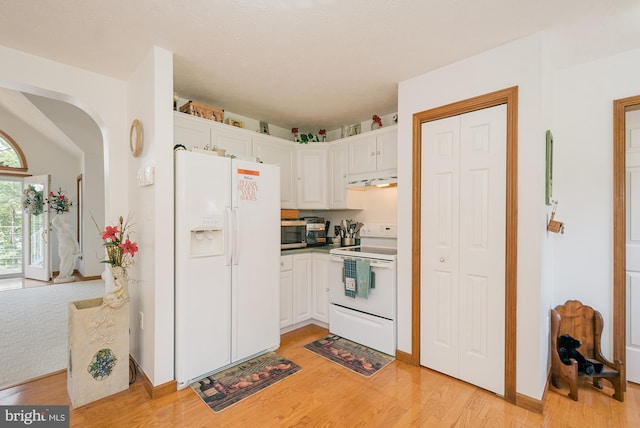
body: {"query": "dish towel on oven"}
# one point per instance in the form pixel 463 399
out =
pixel 363 274
pixel 349 277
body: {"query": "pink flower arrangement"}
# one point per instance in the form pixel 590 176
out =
pixel 294 130
pixel 59 202
pixel 322 132
pixel 120 249
pixel 377 119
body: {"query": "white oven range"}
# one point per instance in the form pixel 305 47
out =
pixel 371 320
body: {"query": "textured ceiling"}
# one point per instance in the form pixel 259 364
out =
pixel 306 63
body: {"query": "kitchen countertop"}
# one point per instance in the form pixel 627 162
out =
pixel 323 250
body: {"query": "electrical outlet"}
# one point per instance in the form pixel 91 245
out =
pixel 141 319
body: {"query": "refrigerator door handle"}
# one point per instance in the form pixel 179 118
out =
pixel 236 237
pixel 228 250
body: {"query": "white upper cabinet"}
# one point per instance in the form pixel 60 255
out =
pixel 312 176
pixel 339 196
pixel 374 151
pixel 191 133
pixel 278 152
pixel 311 171
pixel 234 142
pixel 194 132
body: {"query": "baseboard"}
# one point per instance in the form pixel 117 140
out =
pixel 523 401
pixel 304 323
pixel 532 404
pixel 405 357
pixel 156 391
pixel 78 275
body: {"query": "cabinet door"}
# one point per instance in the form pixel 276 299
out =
pixel 190 131
pixel 339 196
pixel 387 151
pixel 235 141
pixel 338 176
pixel 301 287
pixel 362 154
pixel 279 153
pixel 311 169
pixel 286 307
pixel 320 310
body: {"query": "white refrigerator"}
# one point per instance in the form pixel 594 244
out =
pixel 227 262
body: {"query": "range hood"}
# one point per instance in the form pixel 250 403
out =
pixel 362 183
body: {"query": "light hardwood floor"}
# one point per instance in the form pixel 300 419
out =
pixel 326 395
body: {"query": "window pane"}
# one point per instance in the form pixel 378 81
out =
pixel 8 156
pixel 10 227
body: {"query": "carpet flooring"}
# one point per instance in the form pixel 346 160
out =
pixel 351 355
pixel 33 328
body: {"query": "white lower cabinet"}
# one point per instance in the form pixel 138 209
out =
pixel 301 287
pixel 286 288
pixel 304 289
pixel 320 310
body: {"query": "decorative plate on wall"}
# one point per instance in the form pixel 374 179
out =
pixel 135 138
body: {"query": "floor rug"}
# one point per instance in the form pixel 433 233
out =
pixel 233 385
pixel 356 357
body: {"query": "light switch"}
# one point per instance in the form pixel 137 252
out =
pixel 149 173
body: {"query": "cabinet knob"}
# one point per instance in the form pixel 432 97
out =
pixel 373 153
pixel 327 289
pixel 378 152
pixel 441 259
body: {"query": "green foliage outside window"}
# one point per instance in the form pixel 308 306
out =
pixel 10 226
pixel 8 156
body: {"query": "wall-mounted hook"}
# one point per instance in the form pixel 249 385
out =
pixel 554 225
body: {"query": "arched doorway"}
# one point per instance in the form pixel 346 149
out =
pixel 64 141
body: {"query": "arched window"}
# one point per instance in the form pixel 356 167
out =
pixel 11 157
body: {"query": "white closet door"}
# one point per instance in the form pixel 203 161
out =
pixel 482 247
pixel 462 246
pixel 633 246
pixel 439 245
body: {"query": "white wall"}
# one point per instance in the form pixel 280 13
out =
pixel 516 64
pixel 583 179
pixel 103 98
pixel 150 90
pixel 378 206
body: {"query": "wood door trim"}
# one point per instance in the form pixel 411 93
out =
pixel 620 107
pixel 509 97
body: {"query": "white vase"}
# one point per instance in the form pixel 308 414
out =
pixel 375 125
pixel 118 292
pixel 67 247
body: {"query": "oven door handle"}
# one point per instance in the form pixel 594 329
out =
pixel 383 264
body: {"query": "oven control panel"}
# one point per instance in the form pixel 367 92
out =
pixel 379 230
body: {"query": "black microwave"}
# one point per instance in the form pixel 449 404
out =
pixel 293 234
